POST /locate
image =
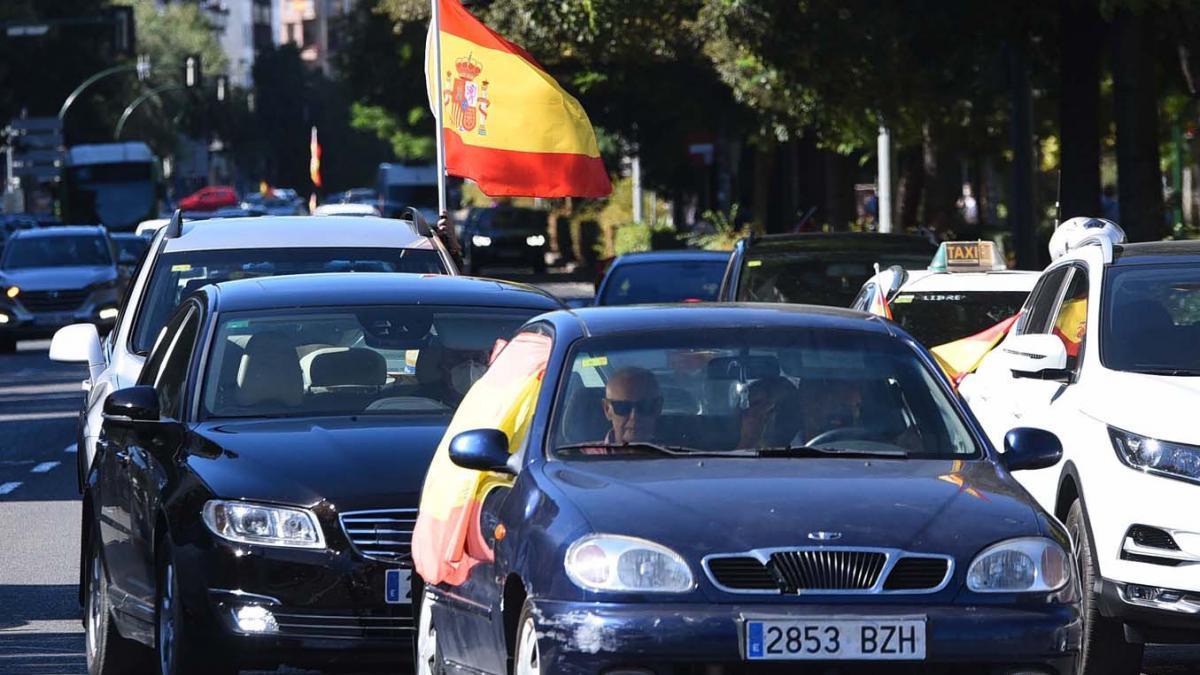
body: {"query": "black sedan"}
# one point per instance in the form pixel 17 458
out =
pixel 662 276
pixel 727 489
pixel 252 498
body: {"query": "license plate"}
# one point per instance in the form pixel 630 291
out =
pixel 397 588
pixel 900 638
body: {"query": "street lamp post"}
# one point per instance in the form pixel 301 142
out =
pixel 153 93
pixel 142 68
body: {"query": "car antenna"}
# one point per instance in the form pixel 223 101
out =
pixel 175 227
pixel 419 221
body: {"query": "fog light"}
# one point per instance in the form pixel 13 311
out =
pixel 108 313
pixel 255 619
pixel 1138 592
pixel 535 240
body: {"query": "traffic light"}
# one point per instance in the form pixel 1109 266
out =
pixel 192 74
pixel 222 88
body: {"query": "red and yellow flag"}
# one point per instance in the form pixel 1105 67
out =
pixel 507 124
pixel 314 161
pixel 962 357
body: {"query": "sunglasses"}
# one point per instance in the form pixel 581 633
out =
pixel 645 406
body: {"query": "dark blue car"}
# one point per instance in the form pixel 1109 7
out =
pixel 733 489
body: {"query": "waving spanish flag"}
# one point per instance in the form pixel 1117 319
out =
pixel 961 357
pixel 314 158
pixel 507 125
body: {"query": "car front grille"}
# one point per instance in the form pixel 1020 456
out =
pixel 829 570
pixel 52 301
pixel 382 534
pixel 339 625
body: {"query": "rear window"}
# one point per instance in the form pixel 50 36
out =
pixel 817 279
pixel 935 318
pixel 57 251
pixel 682 281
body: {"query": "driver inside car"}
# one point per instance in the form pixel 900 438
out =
pixel 632 403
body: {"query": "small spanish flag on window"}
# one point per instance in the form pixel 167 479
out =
pixel 506 123
pixel 314 161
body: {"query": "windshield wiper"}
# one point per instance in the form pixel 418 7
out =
pixel 672 450
pixel 1173 372
pixel 813 451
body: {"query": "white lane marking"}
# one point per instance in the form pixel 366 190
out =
pixel 6 488
pixel 29 417
pixel 44 467
pixel 71 387
pixel 71 449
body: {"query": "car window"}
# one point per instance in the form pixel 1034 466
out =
pixel 179 273
pixel 938 317
pixel 819 279
pixel 1036 314
pixel 57 251
pixel 385 360
pixel 732 390
pixel 1150 319
pixel 171 381
pixel 682 281
pixel 1070 323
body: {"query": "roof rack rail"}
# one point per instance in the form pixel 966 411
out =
pixel 419 221
pixel 175 227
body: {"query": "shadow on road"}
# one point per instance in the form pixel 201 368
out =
pixel 25 604
pixel 39 632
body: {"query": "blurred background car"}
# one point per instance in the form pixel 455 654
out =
pixel 131 248
pixel 209 198
pixel 505 235
pixel 52 277
pixel 359 195
pixel 274 204
pixel 663 276
pixel 819 268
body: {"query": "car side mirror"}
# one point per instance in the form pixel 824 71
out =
pixel 1036 356
pixel 481 450
pixel 899 278
pixel 1027 449
pixel 79 343
pixel 132 407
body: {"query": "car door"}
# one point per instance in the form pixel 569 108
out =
pixel 114 482
pixel 150 461
pixel 992 392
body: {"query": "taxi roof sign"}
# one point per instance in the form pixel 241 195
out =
pixel 967 256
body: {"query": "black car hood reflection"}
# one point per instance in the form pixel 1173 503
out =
pixel 371 461
pixel 711 505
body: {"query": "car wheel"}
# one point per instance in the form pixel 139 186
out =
pixel 1104 650
pixel 107 652
pixel 527 657
pixel 177 647
pixel 427 655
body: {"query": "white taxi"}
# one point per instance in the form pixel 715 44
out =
pixel 1105 355
pixel 966 289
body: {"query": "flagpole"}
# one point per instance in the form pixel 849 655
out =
pixel 440 137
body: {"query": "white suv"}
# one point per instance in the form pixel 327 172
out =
pixel 1106 354
pixel 185 256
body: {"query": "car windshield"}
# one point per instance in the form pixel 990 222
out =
pixel 1151 319
pixel 766 391
pixel 85 250
pixel 815 278
pixel 387 360
pixel 177 274
pixel 935 318
pixel 681 281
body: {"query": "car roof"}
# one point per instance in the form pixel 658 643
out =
pixel 680 255
pixel 59 231
pixel 821 241
pixel 1006 280
pixel 298 232
pixel 379 288
pixel 707 316
pixel 1155 252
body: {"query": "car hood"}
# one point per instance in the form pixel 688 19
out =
pixel 1157 406
pixel 58 278
pixel 352 463
pixel 709 506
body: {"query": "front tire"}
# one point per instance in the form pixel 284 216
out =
pixel 107 652
pixel 427 655
pixel 1104 650
pixel 177 645
pixel 527 656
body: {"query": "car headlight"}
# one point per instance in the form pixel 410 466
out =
pixel 480 240
pixel 1025 565
pixel 1169 459
pixel 247 523
pixel 607 562
pixel 12 292
pixel 535 240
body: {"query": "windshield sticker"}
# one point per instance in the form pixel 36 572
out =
pixel 243 323
pixel 181 268
pixel 754 263
pixel 594 362
pixel 902 300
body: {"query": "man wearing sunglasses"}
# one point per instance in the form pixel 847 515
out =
pixel 632 403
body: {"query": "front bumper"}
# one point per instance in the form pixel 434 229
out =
pixel 328 605
pixel 1174 620
pixel 21 322
pixel 578 638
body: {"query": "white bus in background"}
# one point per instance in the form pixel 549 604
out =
pixel 110 184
